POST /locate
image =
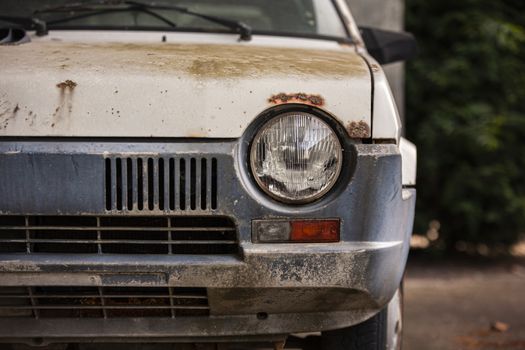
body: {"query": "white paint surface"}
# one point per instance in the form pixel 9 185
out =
pixel 409 162
pixel 130 84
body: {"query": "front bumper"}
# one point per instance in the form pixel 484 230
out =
pixel 296 287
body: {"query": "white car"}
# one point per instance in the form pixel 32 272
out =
pixel 208 171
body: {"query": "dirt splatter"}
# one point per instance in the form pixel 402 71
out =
pixel 204 61
pixel 16 109
pixel 282 98
pixel 358 130
pixel 6 113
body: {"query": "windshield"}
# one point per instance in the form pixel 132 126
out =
pixel 279 17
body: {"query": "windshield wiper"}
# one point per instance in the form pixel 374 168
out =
pixel 104 6
pixel 92 10
pixel 244 30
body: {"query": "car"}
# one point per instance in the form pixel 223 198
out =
pixel 210 171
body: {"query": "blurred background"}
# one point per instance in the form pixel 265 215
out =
pixel 463 102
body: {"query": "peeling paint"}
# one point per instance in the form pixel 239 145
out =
pixel 282 98
pixel 375 67
pixel 358 130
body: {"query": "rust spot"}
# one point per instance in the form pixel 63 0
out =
pixel 68 84
pixel 314 100
pixel 358 130
pixel 65 102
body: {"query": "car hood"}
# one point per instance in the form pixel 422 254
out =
pixel 105 88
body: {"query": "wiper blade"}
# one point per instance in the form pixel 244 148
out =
pixel 244 30
pixel 92 10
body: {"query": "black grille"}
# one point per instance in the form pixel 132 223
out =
pixel 118 235
pixel 102 302
pixel 161 184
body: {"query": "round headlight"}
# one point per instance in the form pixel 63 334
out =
pixel 296 157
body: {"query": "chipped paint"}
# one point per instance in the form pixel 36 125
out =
pixel 282 98
pixel 375 67
pixel 358 130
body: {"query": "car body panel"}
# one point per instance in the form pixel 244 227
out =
pixel 146 88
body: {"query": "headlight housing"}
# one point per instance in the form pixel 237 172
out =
pixel 296 157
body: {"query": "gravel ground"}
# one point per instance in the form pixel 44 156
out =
pixel 465 305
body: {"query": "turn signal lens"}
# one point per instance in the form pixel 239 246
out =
pixel 298 231
pixel 315 231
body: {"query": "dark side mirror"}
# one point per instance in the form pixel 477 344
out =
pixel 388 46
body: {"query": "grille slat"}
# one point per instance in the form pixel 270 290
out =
pixel 200 235
pixel 159 184
pixel 102 302
pixel 129 307
pixel 115 296
pixel 72 241
pixel 73 228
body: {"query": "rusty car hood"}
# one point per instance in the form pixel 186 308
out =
pixel 119 89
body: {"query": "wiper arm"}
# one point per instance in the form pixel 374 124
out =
pixel 244 30
pixel 94 11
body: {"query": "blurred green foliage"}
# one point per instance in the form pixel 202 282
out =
pixel 466 113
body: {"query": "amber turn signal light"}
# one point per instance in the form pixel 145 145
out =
pixel 298 231
pixel 319 231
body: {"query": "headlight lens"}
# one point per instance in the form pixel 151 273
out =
pixel 296 157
